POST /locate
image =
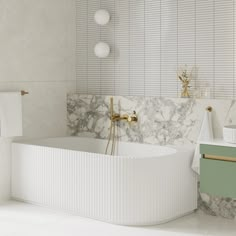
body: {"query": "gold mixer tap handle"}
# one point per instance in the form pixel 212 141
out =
pixel 129 119
pixel 132 117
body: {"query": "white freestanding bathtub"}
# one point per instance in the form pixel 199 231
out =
pixel 141 185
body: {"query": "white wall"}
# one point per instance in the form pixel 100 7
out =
pixel 37 54
pixel 150 39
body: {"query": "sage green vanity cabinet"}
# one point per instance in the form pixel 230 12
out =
pixel 218 170
pixel 218 150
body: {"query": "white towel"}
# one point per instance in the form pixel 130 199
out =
pixel 10 114
pixel 206 134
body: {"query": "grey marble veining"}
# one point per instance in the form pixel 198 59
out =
pixel 217 206
pixel 162 121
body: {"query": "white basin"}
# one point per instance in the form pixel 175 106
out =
pixel 229 133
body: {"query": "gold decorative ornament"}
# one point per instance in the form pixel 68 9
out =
pixel 185 77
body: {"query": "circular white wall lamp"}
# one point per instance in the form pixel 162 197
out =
pixel 102 50
pixel 102 17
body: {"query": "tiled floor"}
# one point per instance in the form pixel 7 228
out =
pixel 20 219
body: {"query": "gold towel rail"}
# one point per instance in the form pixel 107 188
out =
pixel 209 108
pixel 23 92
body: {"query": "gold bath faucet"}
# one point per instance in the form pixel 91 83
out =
pixel 129 118
pixel 117 117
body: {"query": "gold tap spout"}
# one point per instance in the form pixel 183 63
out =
pixel 130 118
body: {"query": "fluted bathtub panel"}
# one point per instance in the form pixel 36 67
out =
pixel 121 190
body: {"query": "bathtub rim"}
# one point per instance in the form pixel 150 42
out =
pixel 177 149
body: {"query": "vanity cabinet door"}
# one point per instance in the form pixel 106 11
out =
pixel 218 177
pixel 218 150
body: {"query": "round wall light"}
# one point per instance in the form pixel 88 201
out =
pixel 102 17
pixel 102 50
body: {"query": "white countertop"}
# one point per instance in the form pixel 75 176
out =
pixel 218 142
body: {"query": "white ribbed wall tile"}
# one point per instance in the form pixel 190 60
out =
pixel 224 49
pixel 205 43
pixel 150 39
pixel 186 33
pixel 108 64
pixel 82 46
pixel 94 63
pixel 136 48
pixel 152 48
pixel 121 47
pixel 169 82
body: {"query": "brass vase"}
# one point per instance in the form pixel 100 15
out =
pixel 185 91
